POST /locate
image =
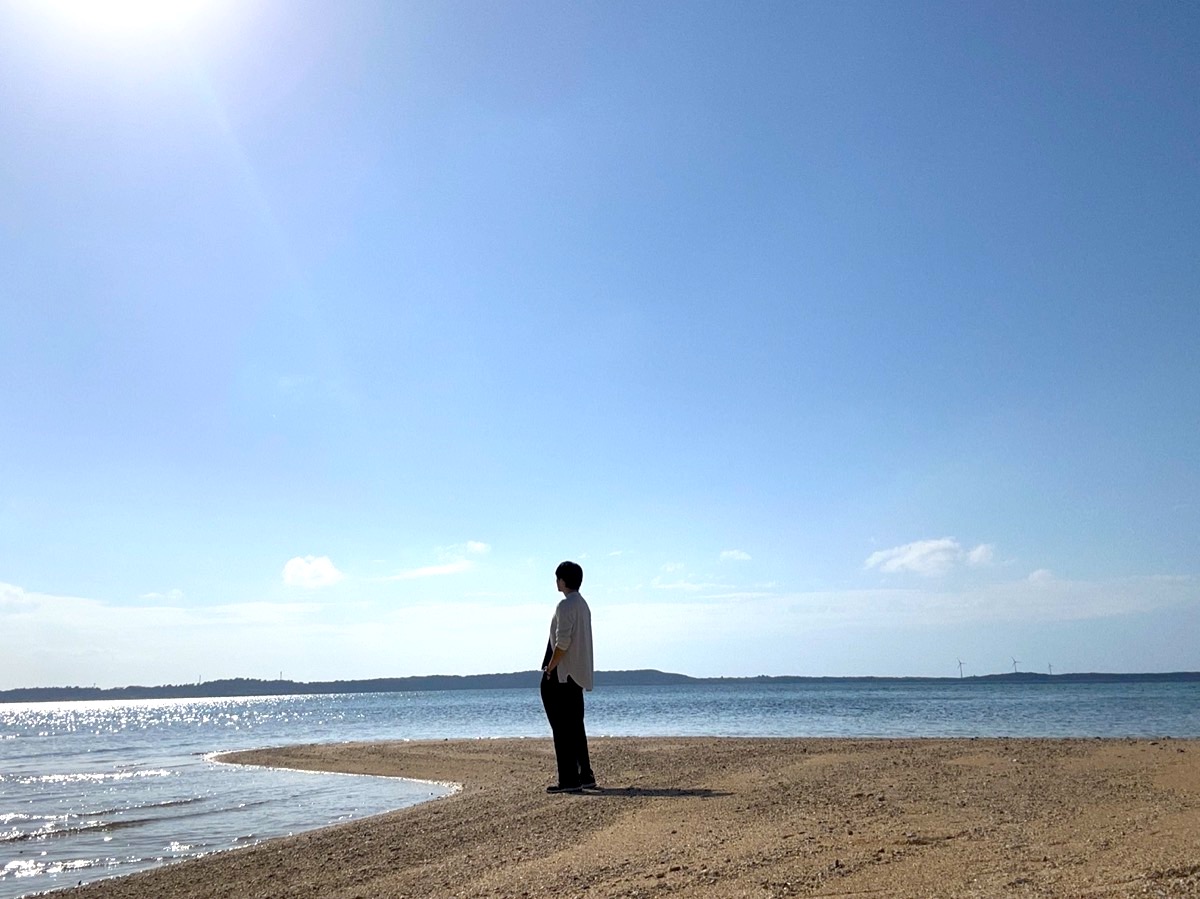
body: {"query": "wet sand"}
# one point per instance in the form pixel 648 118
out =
pixel 734 817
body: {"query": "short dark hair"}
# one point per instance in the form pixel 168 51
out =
pixel 571 574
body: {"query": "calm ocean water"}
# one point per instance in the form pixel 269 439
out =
pixel 96 789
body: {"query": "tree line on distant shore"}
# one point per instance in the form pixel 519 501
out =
pixel 241 686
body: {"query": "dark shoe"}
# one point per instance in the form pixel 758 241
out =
pixel 588 784
pixel 559 788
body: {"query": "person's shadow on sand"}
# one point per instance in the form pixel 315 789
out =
pixel 653 792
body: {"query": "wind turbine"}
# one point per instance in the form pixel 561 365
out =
pixel 960 664
pixel 1016 662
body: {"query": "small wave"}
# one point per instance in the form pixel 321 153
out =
pixel 166 803
pixel 234 807
pixel 50 832
pixel 47 828
pixel 100 822
pixel 91 777
pixel 32 867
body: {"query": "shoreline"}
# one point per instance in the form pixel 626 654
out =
pixel 758 817
pixel 227 757
pixel 243 687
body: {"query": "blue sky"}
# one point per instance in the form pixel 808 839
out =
pixel 830 338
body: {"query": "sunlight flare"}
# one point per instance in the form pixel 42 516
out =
pixel 132 19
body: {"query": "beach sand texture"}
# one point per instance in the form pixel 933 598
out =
pixel 737 817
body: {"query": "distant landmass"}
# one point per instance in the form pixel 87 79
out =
pixel 647 677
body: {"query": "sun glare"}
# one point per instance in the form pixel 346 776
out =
pixel 130 19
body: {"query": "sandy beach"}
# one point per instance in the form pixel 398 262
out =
pixel 737 817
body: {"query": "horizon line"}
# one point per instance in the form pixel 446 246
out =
pixel 629 675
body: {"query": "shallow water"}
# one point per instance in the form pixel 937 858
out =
pixel 91 790
pixel 95 789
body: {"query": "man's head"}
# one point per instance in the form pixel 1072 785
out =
pixel 570 574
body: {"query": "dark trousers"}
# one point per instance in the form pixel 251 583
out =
pixel 564 710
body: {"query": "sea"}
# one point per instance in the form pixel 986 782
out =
pixel 90 790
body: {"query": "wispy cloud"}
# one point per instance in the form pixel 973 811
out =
pixel 161 643
pixel 311 572
pixel 166 643
pixel 456 551
pixel 15 599
pixel 981 555
pixel 471 547
pixel 1040 598
pixel 1044 597
pixel 175 595
pixel 930 558
pixel 735 555
pixel 1042 576
pixel 412 574
pixel 740 595
pixel 455 559
pixel 687 586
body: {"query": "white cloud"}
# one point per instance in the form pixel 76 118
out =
pixel 855 632
pixel 14 599
pixel 413 574
pixel 930 558
pixel 671 567
pixel 981 555
pixel 1043 597
pixel 175 595
pixel 457 551
pixel 814 632
pixel 735 555
pixel 311 572
pixel 687 586
pixel 108 644
pixel 454 560
pixel 739 595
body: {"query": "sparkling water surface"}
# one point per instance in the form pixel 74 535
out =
pixel 96 789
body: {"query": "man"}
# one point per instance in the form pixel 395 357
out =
pixel 566 673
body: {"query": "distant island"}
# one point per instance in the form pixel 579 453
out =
pixel 647 677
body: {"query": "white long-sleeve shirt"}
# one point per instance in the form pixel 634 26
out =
pixel 571 631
